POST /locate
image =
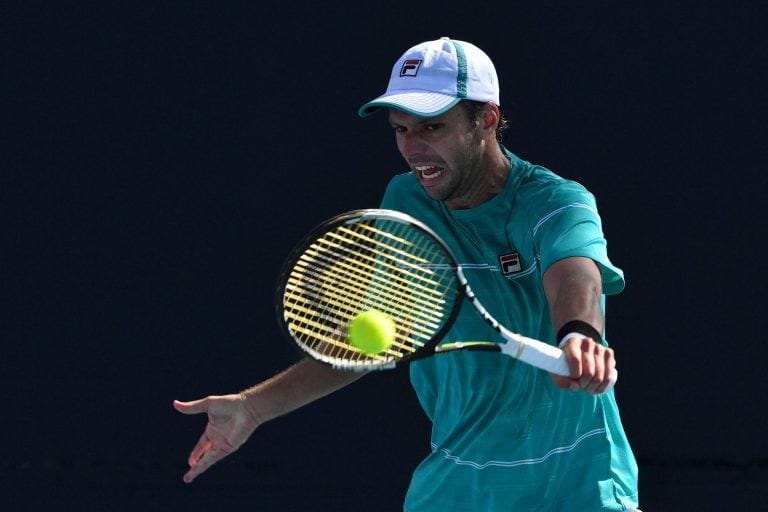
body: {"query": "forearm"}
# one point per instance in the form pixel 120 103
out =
pixel 577 302
pixel 298 385
pixel 574 292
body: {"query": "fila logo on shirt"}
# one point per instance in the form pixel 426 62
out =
pixel 410 67
pixel 510 263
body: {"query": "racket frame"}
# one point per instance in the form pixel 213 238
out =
pixel 537 353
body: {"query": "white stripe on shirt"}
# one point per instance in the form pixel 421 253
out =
pixel 552 214
pixel 509 464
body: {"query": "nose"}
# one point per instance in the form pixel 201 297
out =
pixel 410 144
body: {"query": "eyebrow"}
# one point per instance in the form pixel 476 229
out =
pixel 421 122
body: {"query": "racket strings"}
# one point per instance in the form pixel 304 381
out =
pixel 347 298
pixel 353 278
pixel 377 264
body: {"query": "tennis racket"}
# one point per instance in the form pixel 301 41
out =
pixel 387 261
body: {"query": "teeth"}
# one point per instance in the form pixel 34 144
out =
pixel 422 169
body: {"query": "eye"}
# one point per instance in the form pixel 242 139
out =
pixel 433 127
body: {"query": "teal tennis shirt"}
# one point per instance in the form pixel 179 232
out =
pixel 504 437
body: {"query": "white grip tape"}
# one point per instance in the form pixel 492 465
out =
pixel 536 353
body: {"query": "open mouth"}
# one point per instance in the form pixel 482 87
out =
pixel 428 172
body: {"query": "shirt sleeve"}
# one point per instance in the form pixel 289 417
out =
pixel 571 226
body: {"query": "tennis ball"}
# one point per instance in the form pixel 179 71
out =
pixel 371 331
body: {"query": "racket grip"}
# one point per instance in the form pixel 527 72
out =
pixel 538 354
pixel 543 356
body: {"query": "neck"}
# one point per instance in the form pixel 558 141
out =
pixel 490 178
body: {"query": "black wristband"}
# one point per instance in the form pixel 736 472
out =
pixel 581 328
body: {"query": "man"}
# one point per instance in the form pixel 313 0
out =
pixel 505 436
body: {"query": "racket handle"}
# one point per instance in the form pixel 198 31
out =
pixel 542 355
pixel 536 353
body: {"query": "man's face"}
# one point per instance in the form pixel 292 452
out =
pixel 443 152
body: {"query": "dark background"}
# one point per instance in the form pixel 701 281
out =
pixel 161 159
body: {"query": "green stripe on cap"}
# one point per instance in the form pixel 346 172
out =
pixel 461 77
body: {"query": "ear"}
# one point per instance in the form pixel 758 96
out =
pixel 491 117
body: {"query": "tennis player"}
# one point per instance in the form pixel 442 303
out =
pixel 506 436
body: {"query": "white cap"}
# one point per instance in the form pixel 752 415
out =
pixel 432 77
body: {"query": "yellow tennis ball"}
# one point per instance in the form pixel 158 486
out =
pixel 371 331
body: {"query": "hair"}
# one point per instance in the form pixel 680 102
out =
pixel 475 108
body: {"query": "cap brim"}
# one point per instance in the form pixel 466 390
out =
pixel 418 103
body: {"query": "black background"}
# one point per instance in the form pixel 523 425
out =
pixel 161 159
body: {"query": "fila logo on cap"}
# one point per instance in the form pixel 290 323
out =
pixel 410 67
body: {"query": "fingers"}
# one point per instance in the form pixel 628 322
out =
pixel 193 407
pixel 203 455
pixel 206 459
pixel 204 444
pixel 206 453
pixel 225 431
pixel 592 366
